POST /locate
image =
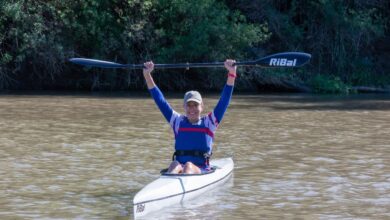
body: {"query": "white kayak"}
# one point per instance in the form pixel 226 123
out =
pixel 171 189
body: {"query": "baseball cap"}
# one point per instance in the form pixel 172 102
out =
pixel 193 96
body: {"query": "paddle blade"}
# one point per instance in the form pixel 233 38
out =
pixel 286 59
pixel 96 63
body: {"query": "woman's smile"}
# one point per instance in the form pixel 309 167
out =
pixel 193 111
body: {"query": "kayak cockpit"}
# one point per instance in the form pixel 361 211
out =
pixel 164 172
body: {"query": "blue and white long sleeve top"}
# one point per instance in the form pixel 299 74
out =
pixel 193 137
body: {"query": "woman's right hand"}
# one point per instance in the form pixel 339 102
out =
pixel 148 67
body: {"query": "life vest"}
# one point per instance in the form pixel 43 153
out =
pixel 193 142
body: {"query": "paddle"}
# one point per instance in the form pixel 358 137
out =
pixel 286 59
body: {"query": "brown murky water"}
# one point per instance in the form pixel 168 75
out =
pixel 296 156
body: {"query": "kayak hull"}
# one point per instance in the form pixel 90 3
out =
pixel 169 190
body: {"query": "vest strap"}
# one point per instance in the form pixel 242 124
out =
pixel 195 153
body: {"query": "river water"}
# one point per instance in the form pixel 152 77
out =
pixel 84 156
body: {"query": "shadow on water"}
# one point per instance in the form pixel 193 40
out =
pixel 315 102
pixel 78 94
pixel 94 94
pixel 298 101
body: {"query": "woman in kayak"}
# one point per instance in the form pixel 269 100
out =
pixel 194 133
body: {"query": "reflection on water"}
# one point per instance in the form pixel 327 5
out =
pixel 296 156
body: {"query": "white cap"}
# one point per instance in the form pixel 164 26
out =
pixel 193 96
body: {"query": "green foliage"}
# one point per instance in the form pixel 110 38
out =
pixel 37 37
pixel 203 30
pixel 29 42
pixel 341 35
pixel 337 33
pixel 327 84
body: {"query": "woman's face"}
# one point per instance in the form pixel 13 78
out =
pixel 193 111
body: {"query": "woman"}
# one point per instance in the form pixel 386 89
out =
pixel 194 133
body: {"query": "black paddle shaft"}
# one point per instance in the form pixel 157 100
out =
pixel 286 59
